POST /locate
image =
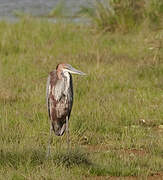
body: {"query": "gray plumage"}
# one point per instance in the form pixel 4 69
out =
pixel 59 95
pixel 59 98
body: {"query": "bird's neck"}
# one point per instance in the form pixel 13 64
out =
pixel 59 74
pixel 66 75
pixel 63 75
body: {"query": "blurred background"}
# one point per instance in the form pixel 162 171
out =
pixel 8 8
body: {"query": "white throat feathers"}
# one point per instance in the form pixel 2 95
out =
pixel 62 86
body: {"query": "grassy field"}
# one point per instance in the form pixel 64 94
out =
pixel 117 118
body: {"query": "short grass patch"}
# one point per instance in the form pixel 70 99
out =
pixel 115 125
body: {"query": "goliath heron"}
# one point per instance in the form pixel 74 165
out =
pixel 60 99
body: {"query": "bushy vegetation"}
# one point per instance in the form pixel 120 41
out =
pixel 117 117
pixel 124 15
pixel 59 11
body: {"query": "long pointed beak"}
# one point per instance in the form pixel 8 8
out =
pixel 75 71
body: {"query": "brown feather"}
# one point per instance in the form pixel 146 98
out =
pixel 60 107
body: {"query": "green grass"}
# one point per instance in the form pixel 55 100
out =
pixel 59 11
pixel 124 15
pixel 108 137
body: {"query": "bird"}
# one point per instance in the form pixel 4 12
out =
pixel 59 96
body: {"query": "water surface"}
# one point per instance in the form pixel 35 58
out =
pixel 34 7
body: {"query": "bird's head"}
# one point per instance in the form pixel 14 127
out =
pixel 68 68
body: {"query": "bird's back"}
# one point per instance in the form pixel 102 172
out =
pixel 59 101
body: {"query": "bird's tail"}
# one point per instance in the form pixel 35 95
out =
pixel 59 128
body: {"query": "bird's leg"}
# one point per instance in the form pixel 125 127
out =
pixel 49 143
pixel 67 132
